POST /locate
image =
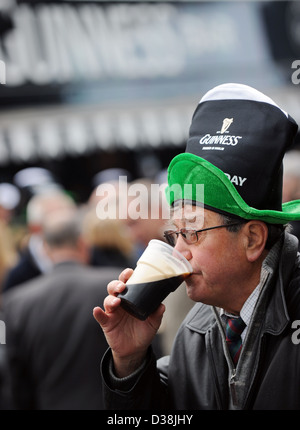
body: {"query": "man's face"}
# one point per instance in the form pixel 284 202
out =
pixel 218 258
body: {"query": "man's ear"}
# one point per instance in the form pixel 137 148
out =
pixel 256 235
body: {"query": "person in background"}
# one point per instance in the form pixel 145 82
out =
pixel 147 222
pixel 10 197
pixel 9 200
pixel 109 241
pixel 53 343
pixel 33 260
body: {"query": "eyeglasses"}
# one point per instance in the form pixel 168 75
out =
pixel 190 236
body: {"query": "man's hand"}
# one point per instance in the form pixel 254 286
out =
pixel 128 337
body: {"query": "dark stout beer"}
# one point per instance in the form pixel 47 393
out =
pixel 141 299
pixel 159 271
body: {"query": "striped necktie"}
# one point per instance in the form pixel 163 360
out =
pixel 234 328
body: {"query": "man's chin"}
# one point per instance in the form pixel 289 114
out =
pixel 194 279
pixel 196 288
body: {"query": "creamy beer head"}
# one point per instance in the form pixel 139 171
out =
pixel 159 261
pixel 159 271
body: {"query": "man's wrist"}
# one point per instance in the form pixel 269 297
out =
pixel 125 366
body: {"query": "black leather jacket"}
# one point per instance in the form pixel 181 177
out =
pixel 198 374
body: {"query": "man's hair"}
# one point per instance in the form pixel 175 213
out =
pixel 40 205
pixel 62 229
pixel 275 231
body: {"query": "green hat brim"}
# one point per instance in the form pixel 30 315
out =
pixel 187 170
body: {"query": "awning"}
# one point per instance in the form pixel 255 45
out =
pixel 31 135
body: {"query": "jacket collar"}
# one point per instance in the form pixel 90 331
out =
pixel 277 315
pixel 202 317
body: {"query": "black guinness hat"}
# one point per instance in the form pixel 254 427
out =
pixel 237 140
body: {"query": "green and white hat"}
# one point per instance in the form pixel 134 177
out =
pixel 237 140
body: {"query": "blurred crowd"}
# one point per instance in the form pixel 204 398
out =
pixel 55 267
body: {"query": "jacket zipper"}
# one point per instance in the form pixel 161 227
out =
pixel 232 381
pixel 231 369
pixel 249 399
pixel 232 387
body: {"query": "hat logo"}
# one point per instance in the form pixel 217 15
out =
pixel 221 137
pixel 225 126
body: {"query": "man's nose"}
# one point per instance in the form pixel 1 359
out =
pixel 182 247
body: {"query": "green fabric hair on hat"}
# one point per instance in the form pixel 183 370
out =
pixel 219 193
